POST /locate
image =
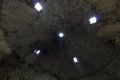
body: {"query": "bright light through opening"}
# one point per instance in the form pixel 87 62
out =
pixel 92 20
pixel 61 35
pixel 38 6
pixel 37 52
pixel 75 59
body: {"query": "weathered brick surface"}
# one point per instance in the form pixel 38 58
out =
pixel 23 29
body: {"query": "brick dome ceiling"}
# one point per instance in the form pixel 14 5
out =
pixel 31 47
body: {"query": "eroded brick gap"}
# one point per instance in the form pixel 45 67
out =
pixel 28 2
pixel 109 63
